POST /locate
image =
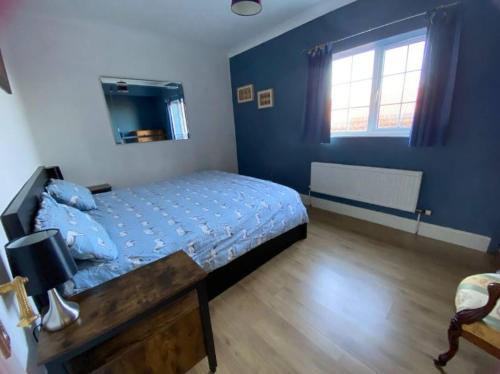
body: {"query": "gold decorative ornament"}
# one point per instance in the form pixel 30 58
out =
pixel 27 316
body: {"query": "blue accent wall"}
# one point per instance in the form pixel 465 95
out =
pixel 461 183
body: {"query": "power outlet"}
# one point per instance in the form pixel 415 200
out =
pixel 425 212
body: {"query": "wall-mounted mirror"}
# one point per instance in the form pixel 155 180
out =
pixel 145 111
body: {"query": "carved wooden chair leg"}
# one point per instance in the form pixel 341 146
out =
pixel 454 332
pixel 466 317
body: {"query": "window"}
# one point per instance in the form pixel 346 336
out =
pixel 374 87
pixel 177 116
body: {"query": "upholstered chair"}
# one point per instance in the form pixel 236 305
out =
pixel 478 316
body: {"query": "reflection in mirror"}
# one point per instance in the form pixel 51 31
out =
pixel 145 111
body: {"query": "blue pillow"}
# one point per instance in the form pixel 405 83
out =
pixel 71 194
pixel 86 238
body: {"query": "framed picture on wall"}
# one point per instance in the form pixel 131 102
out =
pixel 265 98
pixel 245 93
pixel 4 80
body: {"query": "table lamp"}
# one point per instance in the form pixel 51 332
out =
pixel 43 257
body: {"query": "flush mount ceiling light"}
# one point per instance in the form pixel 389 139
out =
pixel 122 87
pixel 171 86
pixel 246 7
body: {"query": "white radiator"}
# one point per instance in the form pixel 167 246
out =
pixel 392 188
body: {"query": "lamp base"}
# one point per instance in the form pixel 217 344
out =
pixel 61 312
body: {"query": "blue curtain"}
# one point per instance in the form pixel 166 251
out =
pixel 437 83
pixel 318 99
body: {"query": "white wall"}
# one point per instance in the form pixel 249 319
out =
pixel 18 160
pixel 55 67
pixel 58 64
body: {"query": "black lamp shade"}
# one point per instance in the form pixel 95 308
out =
pixel 43 257
pixel 246 7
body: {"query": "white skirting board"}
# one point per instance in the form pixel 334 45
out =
pixel 445 234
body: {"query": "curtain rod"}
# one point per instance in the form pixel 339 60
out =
pixel 444 6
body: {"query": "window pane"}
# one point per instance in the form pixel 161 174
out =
pixel 412 81
pixel 340 96
pixel 178 119
pixel 400 83
pixel 407 113
pixel 351 92
pixel 415 56
pixel 341 70
pixel 392 89
pixel 395 60
pixel 361 93
pixel 339 120
pixel 358 119
pixel 388 116
pixel 362 65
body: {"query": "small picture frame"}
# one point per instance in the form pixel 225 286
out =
pixel 265 98
pixel 245 93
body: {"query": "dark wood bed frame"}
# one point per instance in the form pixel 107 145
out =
pixel 18 218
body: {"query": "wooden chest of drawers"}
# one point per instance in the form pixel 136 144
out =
pixel 152 320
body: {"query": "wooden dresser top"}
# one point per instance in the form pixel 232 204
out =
pixel 109 308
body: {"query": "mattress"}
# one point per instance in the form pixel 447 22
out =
pixel 213 216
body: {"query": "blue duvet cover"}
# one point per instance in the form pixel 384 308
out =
pixel 213 216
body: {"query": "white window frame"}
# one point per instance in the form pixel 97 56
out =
pixel 379 47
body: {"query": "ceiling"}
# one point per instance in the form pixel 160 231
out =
pixel 206 21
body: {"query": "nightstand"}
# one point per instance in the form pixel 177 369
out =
pixel 100 188
pixel 154 319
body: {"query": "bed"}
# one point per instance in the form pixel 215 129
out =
pixel 229 224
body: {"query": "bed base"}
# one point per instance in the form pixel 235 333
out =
pixel 226 276
pixel 18 217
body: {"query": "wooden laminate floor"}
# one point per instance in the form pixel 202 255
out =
pixel 353 297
